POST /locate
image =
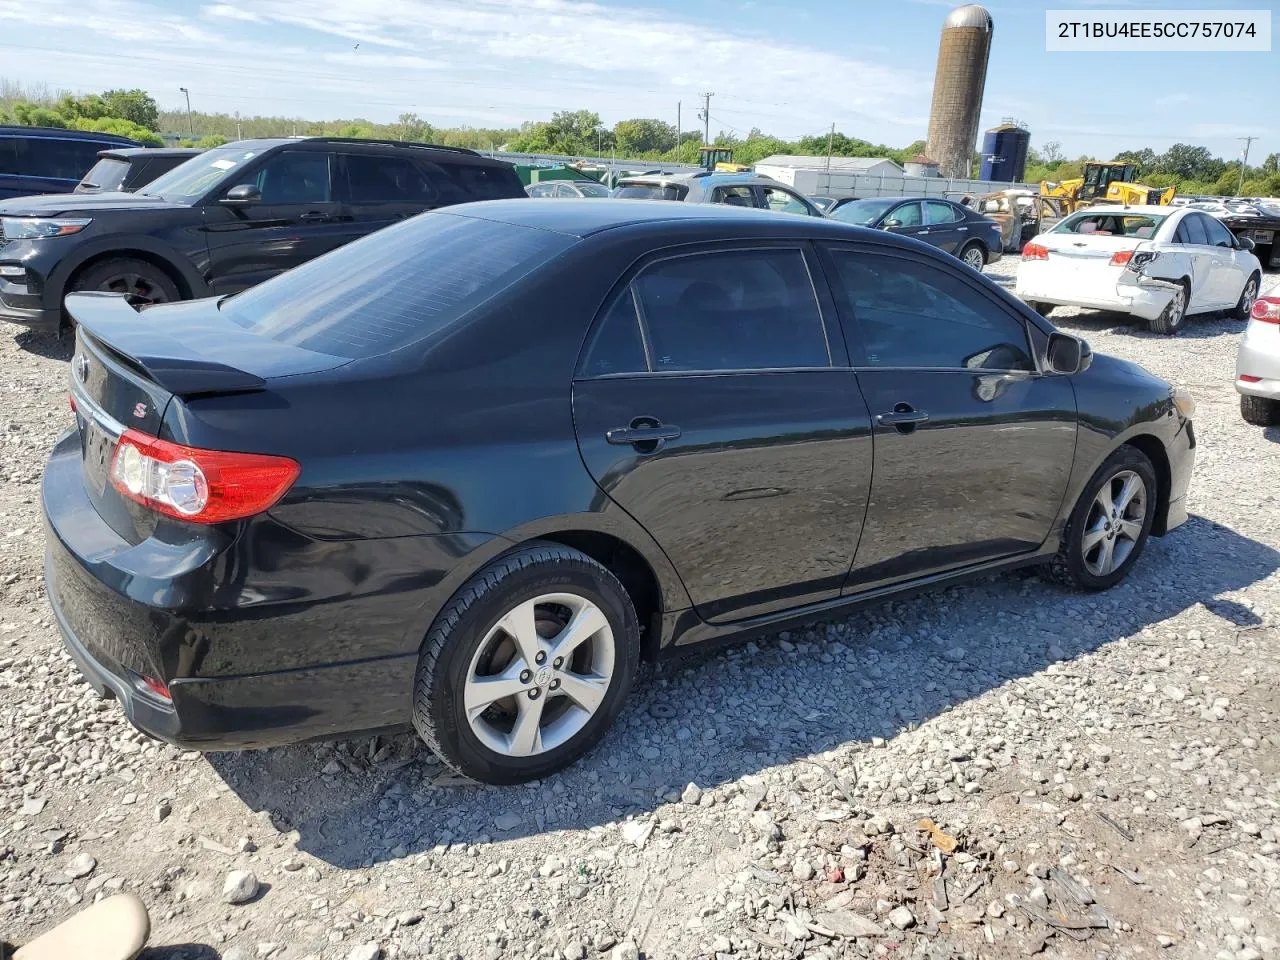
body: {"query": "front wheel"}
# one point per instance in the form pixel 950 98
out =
pixel 527 666
pixel 1109 526
pixel 141 283
pixel 1247 297
pixel 974 256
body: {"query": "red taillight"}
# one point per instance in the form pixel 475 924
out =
pixel 156 687
pixel 203 486
pixel 72 400
pixel 1248 379
pixel 1121 258
pixel 1033 251
pixel 1266 309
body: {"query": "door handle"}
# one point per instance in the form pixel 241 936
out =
pixel 962 228
pixel 646 434
pixel 903 417
pixel 313 216
pixel 922 233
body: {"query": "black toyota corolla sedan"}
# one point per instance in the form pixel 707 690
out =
pixel 466 472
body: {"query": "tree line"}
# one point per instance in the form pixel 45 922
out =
pixel 580 133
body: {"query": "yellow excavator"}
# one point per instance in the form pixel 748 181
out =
pixel 1112 182
pixel 720 160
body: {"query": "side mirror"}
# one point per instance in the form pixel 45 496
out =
pixel 242 196
pixel 1245 243
pixel 1068 354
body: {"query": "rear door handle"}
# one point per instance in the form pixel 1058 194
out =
pixel 922 233
pixel 903 416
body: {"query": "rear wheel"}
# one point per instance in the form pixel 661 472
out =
pixel 1247 297
pixel 527 666
pixel 1108 528
pixel 1260 411
pixel 974 256
pixel 1174 315
pixel 141 282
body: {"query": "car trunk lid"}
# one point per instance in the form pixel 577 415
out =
pixel 130 365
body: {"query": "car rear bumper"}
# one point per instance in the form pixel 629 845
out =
pixel 1259 356
pixel 1045 283
pixel 122 621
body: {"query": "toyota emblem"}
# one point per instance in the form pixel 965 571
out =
pixel 82 368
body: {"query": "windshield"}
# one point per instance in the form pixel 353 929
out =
pixel 106 175
pixel 593 189
pixel 394 287
pixel 862 212
pixel 193 179
pixel 651 191
pixel 1142 226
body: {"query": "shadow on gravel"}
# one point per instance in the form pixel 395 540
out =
pixel 716 717
pixel 1200 327
pixel 46 345
pixel 181 951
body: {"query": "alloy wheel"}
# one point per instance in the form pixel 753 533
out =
pixel 539 675
pixel 1248 297
pixel 974 258
pixel 1115 522
pixel 138 289
pixel 1177 306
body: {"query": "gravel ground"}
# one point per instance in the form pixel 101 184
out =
pixel 1103 771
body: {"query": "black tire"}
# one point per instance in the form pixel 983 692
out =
pixel 1247 297
pixel 1260 411
pixel 1069 567
pixel 1174 316
pixel 142 282
pixel 452 642
pixel 967 254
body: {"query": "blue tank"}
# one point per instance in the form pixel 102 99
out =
pixel 1004 153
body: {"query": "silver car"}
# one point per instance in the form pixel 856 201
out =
pixel 1258 364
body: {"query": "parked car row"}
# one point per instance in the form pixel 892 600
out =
pixel 49 160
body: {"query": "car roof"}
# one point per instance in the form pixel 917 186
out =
pixel 583 218
pixel 267 143
pixel 63 133
pixel 128 153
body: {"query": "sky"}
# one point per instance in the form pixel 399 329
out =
pixel 789 67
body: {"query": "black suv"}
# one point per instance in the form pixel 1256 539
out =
pixel 226 220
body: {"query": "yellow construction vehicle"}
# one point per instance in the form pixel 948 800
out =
pixel 1111 182
pixel 720 160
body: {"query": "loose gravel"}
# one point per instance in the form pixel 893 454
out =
pixel 991 770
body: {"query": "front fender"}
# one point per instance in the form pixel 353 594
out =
pixel 122 245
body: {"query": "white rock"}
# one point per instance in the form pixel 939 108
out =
pixel 691 794
pixel 802 869
pixel 365 951
pixel 241 886
pixel 902 918
pixel 81 866
pixel 626 950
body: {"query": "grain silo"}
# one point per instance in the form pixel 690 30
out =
pixel 957 89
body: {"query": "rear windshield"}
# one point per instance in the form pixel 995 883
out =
pixel 1142 226
pixel 863 212
pixel 393 287
pixel 107 174
pixel 651 191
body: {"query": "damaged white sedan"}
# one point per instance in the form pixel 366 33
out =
pixel 1160 264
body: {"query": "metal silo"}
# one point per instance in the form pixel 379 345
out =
pixel 957 88
pixel 1004 152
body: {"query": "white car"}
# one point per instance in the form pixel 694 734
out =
pixel 1160 264
pixel 1258 365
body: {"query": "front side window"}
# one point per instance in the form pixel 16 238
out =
pixel 1191 230
pixel 295 178
pixel 780 201
pixel 1218 235
pixel 907 215
pixel 912 314
pixel 736 310
pixel 373 179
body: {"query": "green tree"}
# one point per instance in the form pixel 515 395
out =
pixel 120 127
pixel 1144 159
pixel 410 126
pixel 1271 164
pixel 32 115
pixel 136 106
pixel 1052 153
pixel 643 136
pixel 209 142
pixel 1189 162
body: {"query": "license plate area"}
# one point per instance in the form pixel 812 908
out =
pixel 97 447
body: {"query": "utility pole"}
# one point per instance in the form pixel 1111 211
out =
pixel 830 140
pixel 238 136
pixel 191 127
pixel 679 104
pixel 1244 162
pixel 706 118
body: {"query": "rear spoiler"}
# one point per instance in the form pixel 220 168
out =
pixel 141 340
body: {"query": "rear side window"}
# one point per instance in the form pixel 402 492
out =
pixel 617 345
pixel 55 158
pixel 912 314
pixel 373 179
pixel 739 196
pixel 394 287
pixel 652 191
pixel 736 310
pixel 939 212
